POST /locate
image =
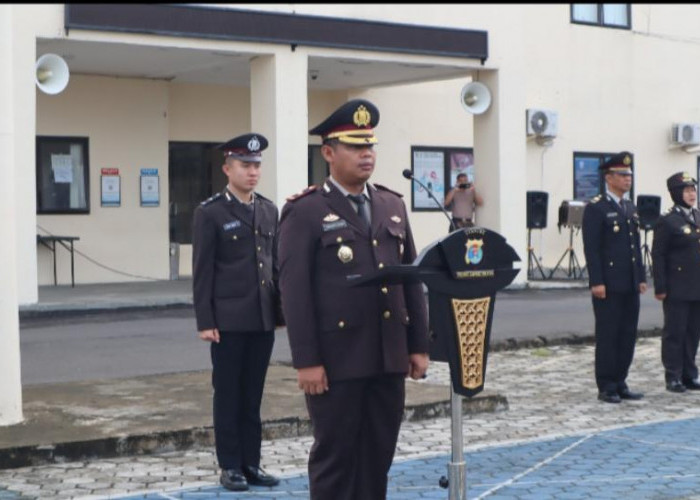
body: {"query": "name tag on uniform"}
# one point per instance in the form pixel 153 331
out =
pixel 232 225
pixel 338 224
pixel 612 214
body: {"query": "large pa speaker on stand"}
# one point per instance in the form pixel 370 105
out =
pixel 536 211
pixel 649 210
pixel 571 216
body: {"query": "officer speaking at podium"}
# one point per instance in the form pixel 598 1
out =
pixel 616 277
pixel 352 346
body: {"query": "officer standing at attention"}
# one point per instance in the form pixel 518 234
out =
pixel 616 277
pixel 676 264
pixel 352 346
pixel 236 303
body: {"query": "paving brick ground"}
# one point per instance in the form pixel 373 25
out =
pixel 555 441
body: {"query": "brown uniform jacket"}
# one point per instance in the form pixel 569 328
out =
pixel 234 265
pixel 352 331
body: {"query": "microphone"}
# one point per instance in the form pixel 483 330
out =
pixel 409 175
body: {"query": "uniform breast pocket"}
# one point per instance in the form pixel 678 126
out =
pixel 398 236
pixel 338 247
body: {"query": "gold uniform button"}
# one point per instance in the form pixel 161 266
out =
pixel 235 237
pixel 257 232
pixel 611 264
pixel 259 249
pixel 408 319
pixel 339 239
pixel 375 242
pixel 680 269
pixel 385 290
pixel 341 324
pixel 633 259
pixel 381 265
pixel 261 264
pixel 387 314
pixel 262 282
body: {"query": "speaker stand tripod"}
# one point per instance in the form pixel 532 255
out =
pixel 574 266
pixel 532 260
pixel 646 255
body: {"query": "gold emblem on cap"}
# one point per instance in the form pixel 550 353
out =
pixel 687 177
pixel 331 218
pixel 345 254
pixel 362 116
pixel 396 218
pixel 627 160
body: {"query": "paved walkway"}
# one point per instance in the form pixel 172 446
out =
pixel 554 441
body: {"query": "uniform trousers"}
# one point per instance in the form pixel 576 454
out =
pixel 679 343
pixel 356 426
pixel 616 319
pixel 239 362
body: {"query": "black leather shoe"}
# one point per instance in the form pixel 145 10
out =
pixel 233 479
pixel 258 477
pixel 627 394
pixel 609 397
pixel 693 385
pixel 675 386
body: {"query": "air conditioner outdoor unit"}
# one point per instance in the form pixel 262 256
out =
pixel 686 133
pixel 542 122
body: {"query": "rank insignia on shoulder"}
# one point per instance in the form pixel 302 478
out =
pixel 396 218
pixel 303 193
pixel 210 199
pixel 596 199
pixel 331 218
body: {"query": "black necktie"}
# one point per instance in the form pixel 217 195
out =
pixel 360 200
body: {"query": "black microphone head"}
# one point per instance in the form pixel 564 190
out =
pixel 407 173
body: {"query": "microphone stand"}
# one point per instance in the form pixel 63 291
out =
pixel 409 175
pixel 456 479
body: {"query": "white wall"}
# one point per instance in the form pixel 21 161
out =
pixel 126 122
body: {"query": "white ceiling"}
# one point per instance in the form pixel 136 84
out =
pixel 223 68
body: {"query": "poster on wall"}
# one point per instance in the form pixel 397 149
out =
pixel 150 187
pixel 586 177
pixel 461 162
pixel 111 192
pixel 428 168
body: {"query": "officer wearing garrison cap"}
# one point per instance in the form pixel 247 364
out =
pixel 616 277
pixel 676 264
pixel 237 306
pixel 352 346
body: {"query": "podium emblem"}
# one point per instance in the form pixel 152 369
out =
pixel 474 252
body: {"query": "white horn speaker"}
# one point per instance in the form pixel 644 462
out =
pixel 475 97
pixel 51 73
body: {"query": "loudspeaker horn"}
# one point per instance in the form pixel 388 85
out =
pixel 51 73
pixel 475 97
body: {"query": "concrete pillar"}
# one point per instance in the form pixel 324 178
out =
pixel 10 375
pixel 500 162
pixel 24 124
pixel 279 110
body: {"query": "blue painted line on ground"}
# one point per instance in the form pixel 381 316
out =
pixel 648 461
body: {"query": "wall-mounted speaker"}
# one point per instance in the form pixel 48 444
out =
pixel 649 209
pixel 51 73
pixel 475 98
pixel 537 209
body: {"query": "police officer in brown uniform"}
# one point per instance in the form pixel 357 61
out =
pixel 616 277
pixel 352 346
pixel 676 264
pixel 237 306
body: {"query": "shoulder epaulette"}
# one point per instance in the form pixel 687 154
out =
pixel 211 199
pixel 258 195
pixel 303 193
pixel 384 188
pixel 596 198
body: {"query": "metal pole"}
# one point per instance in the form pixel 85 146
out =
pixel 457 468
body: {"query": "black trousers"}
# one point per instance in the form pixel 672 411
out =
pixel 679 343
pixel 616 319
pixel 239 364
pixel 356 426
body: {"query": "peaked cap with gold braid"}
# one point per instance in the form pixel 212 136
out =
pixel 621 163
pixel 352 123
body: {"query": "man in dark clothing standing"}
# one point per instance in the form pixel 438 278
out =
pixel 352 346
pixel 236 303
pixel 616 277
pixel 676 264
